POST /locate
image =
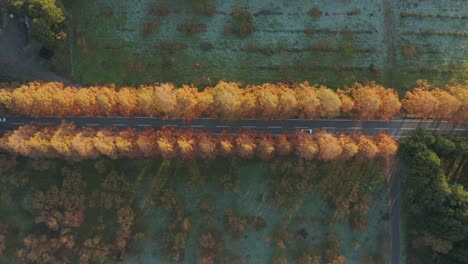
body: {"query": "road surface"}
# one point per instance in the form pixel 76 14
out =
pixel 397 128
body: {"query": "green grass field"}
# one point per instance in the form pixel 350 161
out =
pixel 334 43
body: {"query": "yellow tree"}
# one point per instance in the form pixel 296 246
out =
pixel 349 147
pixel 367 147
pixel 186 144
pixel 283 145
pixel 146 100
pixel 127 102
pixel 187 103
pixel 226 144
pixel 166 143
pixel 386 145
pixel 40 143
pixel 206 103
pixel 347 103
pixel 308 102
pixel 227 98
pixel 287 102
pixel 266 101
pixel 390 106
pixel 85 102
pixel 43 95
pixel 420 102
pixel 165 98
pixel 206 146
pixel 248 108
pixel 125 142
pixel 245 144
pixel 330 103
pixel 367 101
pixel 147 143
pixel 83 143
pixel 329 146
pixel 305 146
pixel 21 99
pixel 461 93
pixel 106 100
pixel 62 141
pixel 6 98
pixel 18 140
pixel 104 142
pixel 64 102
pixel 448 104
pixel 266 147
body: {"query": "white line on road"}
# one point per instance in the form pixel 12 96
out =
pixel 17 123
pixel 144 125
pixel 92 124
pixel 300 127
pixel 222 126
pixel 274 127
pixel 459 129
pixel 118 124
pixel 197 126
pixel 249 126
pixel 170 125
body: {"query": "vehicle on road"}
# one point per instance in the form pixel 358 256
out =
pixel 2 119
pixel 310 131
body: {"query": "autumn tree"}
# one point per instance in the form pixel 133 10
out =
pixel 387 146
pixel 266 101
pixel 227 100
pixel 329 146
pixel 226 144
pixel 448 104
pixel 330 103
pixel 186 144
pixel 165 99
pixel 308 102
pixel 206 103
pixel 349 147
pixel 63 102
pixel 206 146
pixel 147 143
pixel 283 145
pixel 62 140
pixel 420 102
pixel 146 95
pixel 125 141
pixel 367 147
pixel 305 146
pixel 188 103
pixel 245 144
pixel 106 100
pixel 461 93
pixel 287 102
pixel 85 102
pixel 128 103
pixel 40 144
pixel 18 140
pixel 83 143
pixel 166 143
pixel 104 142
pixel 266 147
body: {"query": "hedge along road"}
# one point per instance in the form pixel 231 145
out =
pixel 396 128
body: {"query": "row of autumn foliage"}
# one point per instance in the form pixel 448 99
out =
pixel 68 142
pixel 228 100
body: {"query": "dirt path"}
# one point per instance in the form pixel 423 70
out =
pixel 15 64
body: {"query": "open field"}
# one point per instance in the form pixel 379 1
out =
pixel 256 211
pixel 330 42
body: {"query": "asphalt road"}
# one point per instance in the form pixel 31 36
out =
pixel 397 128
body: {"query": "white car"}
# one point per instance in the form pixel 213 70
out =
pixel 307 131
pixel 3 120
